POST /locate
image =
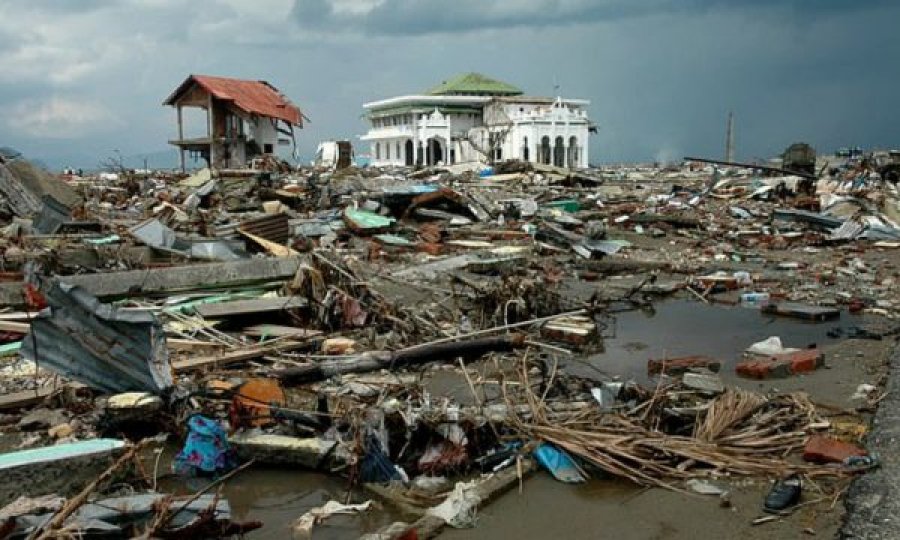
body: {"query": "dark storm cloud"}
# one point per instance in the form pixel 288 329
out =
pixel 661 75
pixel 420 17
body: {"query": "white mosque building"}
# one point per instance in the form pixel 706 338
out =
pixel 472 118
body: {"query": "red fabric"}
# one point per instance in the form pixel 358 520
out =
pixel 34 299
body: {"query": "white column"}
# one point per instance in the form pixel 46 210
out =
pixel 180 138
pixel 533 141
pixel 211 130
pixel 449 143
pixel 417 134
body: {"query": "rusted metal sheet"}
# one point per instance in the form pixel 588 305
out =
pixel 271 227
pixel 255 97
pixel 98 345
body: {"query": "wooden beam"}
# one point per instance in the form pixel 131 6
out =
pixel 181 344
pixel 17 400
pixel 275 330
pixel 12 326
pixel 220 360
pixel 250 307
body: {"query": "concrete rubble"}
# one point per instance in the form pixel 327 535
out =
pixel 309 313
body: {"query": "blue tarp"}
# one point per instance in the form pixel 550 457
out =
pixel 559 463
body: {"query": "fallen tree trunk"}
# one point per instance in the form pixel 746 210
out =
pixel 420 354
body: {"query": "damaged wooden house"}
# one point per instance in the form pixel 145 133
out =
pixel 244 119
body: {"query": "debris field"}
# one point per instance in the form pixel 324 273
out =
pixel 304 320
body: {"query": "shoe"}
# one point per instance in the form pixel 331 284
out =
pixel 785 493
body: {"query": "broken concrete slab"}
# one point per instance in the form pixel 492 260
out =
pixel 172 280
pixel 481 260
pixel 310 452
pixel 703 382
pixel 59 469
pixel 801 311
pixel 250 307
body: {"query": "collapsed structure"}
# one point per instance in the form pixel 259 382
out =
pixel 473 118
pixel 245 119
pixel 421 335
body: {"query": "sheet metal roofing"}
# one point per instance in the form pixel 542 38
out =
pixel 255 97
pixel 474 84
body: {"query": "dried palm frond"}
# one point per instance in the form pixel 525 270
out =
pixel 733 406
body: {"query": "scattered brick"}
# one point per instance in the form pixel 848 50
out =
pixel 804 361
pixel 821 449
pixel 782 365
pixel 677 366
pixel 430 248
pixel 767 368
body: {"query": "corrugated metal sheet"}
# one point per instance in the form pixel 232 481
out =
pixel 98 345
pixel 848 231
pixel 52 216
pixel 271 227
pixel 156 235
pixel 257 97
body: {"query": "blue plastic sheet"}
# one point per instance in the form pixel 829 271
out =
pixel 376 466
pixel 559 463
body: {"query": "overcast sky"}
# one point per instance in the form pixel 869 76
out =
pixel 80 78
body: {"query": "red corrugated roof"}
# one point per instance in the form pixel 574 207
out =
pixel 256 97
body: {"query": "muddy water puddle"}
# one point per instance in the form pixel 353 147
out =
pixel 688 328
pixel 670 330
pixel 547 508
pixel 277 497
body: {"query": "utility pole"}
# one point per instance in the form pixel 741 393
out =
pixel 729 138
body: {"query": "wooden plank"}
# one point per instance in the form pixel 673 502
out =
pixel 247 307
pixel 278 330
pixel 272 247
pixel 18 315
pixel 233 357
pixel 12 326
pixel 181 344
pixel 17 400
